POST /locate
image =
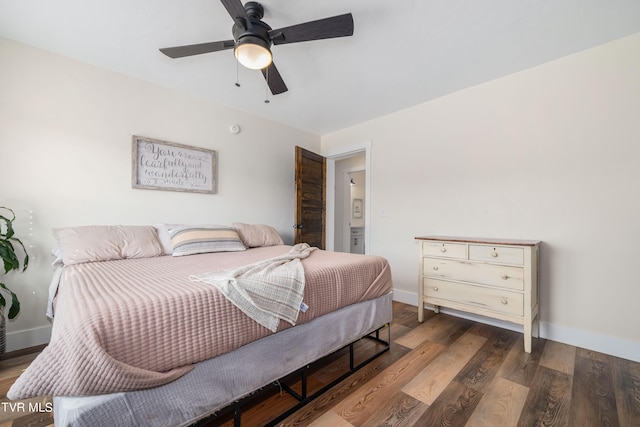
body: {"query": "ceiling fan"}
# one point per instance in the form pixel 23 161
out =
pixel 252 39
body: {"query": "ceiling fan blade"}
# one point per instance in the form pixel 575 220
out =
pixel 336 26
pixel 274 79
pixel 197 49
pixel 235 9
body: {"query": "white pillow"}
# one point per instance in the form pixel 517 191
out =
pixel 165 237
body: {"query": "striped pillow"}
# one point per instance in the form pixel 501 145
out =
pixel 191 240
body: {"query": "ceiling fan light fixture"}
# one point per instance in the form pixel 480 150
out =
pixel 253 38
pixel 253 52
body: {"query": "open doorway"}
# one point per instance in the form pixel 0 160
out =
pixel 340 163
pixel 350 204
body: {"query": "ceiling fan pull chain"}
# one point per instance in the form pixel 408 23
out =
pixel 266 101
pixel 237 74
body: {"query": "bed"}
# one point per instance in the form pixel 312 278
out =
pixel 138 340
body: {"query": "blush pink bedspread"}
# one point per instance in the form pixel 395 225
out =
pixel 133 324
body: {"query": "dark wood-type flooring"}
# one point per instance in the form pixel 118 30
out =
pixel 446 371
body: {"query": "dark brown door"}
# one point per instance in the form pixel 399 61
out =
pixel 310 202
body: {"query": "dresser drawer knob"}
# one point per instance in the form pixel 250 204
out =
pixel 494 254
pixel 435 288
pixel 504 301
pixel 443 249
pixel 504 277
pixel 435 267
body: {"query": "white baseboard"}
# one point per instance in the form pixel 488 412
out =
pixel 614 346
pixel 28 338
pixel 405 297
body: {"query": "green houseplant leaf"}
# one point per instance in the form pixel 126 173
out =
pixel 10 259
pixel 15 304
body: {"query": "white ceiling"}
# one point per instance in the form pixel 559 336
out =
pixel 402 53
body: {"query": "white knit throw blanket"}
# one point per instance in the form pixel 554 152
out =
pixel 267 290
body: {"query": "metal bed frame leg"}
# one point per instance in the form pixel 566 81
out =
pixel 351 357
pixel 237 415
pixel 304 384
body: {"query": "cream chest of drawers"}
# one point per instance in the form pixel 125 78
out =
pixel 490 277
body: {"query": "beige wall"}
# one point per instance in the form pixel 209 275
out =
pixel 65 149
pixel 550 153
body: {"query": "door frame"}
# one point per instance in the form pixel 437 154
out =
pixel 339 153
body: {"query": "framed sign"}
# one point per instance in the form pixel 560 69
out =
pixel 357 208
pixel 161 165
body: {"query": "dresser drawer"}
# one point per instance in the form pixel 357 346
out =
pixel 474 296
pixel 497 254
pixel 444 249
pixel 487 274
